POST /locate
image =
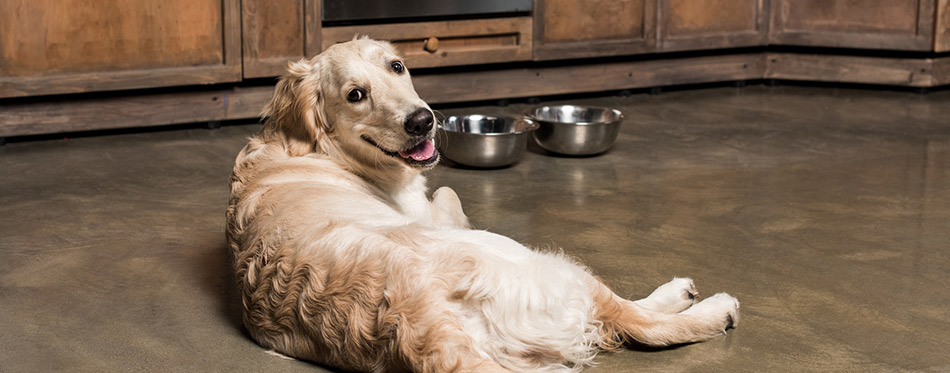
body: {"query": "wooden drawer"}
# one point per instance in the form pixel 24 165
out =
pixel 448 43
pixel 708 24
pixel 71 46
pixel 593 28
pixel 871 24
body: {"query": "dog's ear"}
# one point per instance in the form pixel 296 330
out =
pixel 296 111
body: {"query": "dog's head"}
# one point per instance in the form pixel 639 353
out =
pixel 354 102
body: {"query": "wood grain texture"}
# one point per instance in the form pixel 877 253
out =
pixel 85 46
pixel 698 17
pixel 708 24
pixel 119 80
pixel 313 18
pixel 942 27
pixel 231 19
pixel 465 42
pixel 572 20
pixel 870 24
pixel 941 71
pixel 851 69
pixel 871 16
pixel 526 82
pixel 578 29
pixel 132 111
pixel 272 34
pixel 86 36
pixel 240 103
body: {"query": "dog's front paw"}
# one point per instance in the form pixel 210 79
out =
pixel 447 209
pixel 671 297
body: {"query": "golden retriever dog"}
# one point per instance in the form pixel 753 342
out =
pixel 342 258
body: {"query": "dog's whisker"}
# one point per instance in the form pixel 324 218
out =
pixel 440 114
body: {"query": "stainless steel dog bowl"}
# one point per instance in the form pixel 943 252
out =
pixel 575 130
pixel 484 141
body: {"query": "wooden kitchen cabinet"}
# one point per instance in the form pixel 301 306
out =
pixel 448 43
pixel 576 29
pixel 55 47
pixel 711 24
pixel 942 27
pixel 870 24
pixel 277 31
pixel 70 46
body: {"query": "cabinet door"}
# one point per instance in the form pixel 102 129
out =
pixel 707 24
pixel 277 31
pixel 942 28
pixel 69 46
pixel 870 24
pixel 591 28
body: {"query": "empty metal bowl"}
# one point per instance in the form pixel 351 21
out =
pixel 575 130
pixel 484 141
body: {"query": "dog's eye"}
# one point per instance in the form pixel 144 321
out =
pixel 355 95
pixel 398 67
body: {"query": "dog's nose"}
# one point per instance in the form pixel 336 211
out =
pixel 420 122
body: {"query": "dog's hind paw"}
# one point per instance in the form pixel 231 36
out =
pixel 721 309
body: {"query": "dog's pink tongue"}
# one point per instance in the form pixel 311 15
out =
pixel 421 152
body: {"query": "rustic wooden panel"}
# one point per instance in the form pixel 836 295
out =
pixel 941 71
pixel 128 111
pixel 572 20
pixel 874 24
pixel 850 69
pixel 313 21
pixel 526 82
pixel 942 27
pixel 701 17
pixel 576 29
pixel 272 33
pixel 90 82
pixel 880 16
pixel 464 42
pixel 275 32
pixel 39 37
pixel 238 103
pixel 706 24
pixel 51 46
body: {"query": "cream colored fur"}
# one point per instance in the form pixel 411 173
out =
pixel 342 259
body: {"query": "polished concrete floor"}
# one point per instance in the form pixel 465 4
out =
pixel 826 211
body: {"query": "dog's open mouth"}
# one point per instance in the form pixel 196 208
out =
pixel 422 154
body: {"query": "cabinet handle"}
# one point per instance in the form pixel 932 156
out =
pixel 431 44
